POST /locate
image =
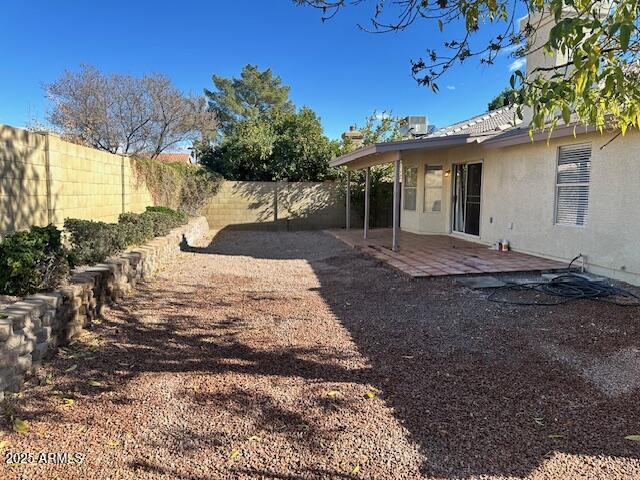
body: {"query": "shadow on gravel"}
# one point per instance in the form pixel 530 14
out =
pixel 469 379
pixel 247 473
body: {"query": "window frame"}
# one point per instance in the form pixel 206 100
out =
pixel 427 187
pixel 559 185
pixel 406 187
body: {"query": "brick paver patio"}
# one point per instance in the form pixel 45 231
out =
pixel 440 255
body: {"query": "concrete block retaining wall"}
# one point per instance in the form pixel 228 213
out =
pixel 35 325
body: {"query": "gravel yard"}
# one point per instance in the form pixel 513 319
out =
pixel 275 355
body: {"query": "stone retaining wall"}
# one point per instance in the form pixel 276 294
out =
pixel 32 327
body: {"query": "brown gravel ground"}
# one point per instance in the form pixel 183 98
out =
pixel 290 356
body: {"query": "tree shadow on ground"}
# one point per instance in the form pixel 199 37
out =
pixel 470 380
pixel 467 379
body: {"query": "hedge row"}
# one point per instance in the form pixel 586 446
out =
pixel 38 259
pixel 92 242
pixel 32 260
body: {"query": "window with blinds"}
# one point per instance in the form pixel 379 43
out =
pixel 432 188
pixel 572 185
pixel 410 186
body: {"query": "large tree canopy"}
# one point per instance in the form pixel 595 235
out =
pixel 264 137
pixel 125 114
pixel 600 41
pixel 252 95
pixel 280 145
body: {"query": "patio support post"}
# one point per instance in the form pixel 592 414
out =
pixel 348 202
pixel 395 244
pixel 367 199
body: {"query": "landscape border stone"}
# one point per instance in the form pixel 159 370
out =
pixel 36 325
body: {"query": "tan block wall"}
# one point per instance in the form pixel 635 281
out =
pixel 44 179
pixel 23 185
pixel 304 205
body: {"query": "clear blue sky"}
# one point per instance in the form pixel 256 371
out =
pixel 340 72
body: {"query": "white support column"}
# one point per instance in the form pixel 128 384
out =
pixel 395 244
pixel 367 200
pixel 348 202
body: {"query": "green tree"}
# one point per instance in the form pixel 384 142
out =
pixel 600 41
pixel 255 94
pixel 280 145
pixel 382 127
pixel 506 97
pixel 301 151
pixel 378 127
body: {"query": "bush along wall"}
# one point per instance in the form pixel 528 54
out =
pixel 32 260
pixel 37 260
pixel 33 326
pixel 92 242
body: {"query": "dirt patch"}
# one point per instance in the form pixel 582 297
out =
pixel 284 355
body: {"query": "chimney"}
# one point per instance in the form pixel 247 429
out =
pixel 355 137
pixel 537 57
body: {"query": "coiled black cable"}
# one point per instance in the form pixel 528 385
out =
pixel 568 287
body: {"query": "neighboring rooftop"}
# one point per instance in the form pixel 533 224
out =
pixel 494 121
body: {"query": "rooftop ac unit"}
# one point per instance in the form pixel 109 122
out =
pixel 416 126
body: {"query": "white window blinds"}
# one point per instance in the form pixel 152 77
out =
pixel 572 185
pixel 410 186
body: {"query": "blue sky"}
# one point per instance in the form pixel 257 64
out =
pixel 340 72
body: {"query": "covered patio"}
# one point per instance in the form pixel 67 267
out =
pixel 441 255
pixel 389 152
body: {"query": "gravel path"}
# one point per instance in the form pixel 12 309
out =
pixel 289 356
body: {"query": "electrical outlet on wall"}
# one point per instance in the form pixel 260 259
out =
pixel 510 225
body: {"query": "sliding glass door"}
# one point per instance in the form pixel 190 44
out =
pixel 467 188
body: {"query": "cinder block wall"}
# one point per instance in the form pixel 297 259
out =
pixel 276 205
pixel 44 179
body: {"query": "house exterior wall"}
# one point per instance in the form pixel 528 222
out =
pixel 518 201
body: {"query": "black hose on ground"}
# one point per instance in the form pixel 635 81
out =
pixel 568 287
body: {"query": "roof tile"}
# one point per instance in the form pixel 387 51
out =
pixel 490 122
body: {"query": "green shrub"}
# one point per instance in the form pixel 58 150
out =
pixel 32 261
pixel 137 229
pixel 164 219
pixel 92 242
pixel 179 216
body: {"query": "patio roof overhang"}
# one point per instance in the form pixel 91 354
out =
pixel 387 152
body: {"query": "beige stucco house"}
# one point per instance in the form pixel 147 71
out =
pixel 484 179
